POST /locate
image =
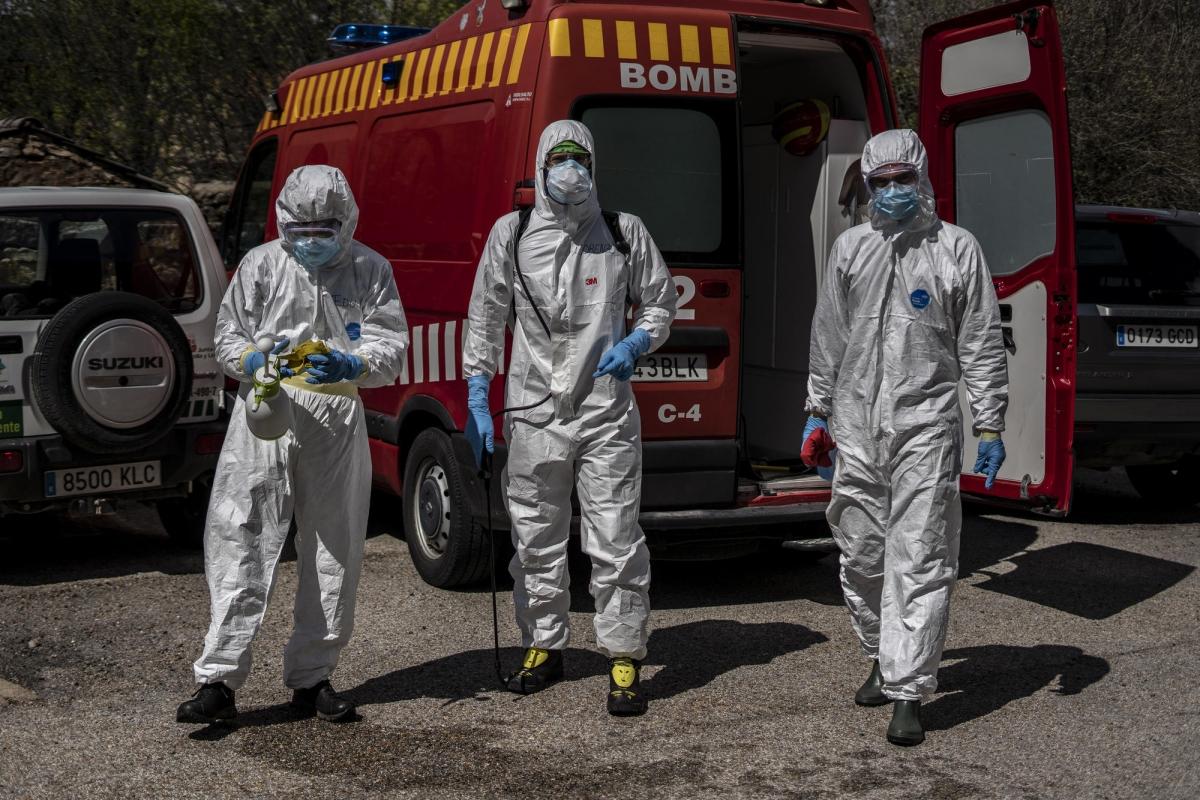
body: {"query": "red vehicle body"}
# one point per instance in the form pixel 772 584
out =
pixel 437 135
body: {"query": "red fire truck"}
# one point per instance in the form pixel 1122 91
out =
pixel 437 132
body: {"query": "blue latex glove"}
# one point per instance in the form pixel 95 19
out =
pixel 811 425
pixel 333 367
pixel 254 359
pixel 481 432
pixel 991 457
pixel 621 359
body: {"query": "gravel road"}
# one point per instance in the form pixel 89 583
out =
pixel 1069 672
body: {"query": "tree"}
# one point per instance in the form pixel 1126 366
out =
pixel 1133 91
pixel 174 88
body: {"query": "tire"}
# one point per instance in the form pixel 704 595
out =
pixel 183 517
pixel 1167 485
pixel 55 383
pixel 447 546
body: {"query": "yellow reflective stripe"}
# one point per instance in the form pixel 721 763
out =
pixel 560 37
pixel 439 53
pixel 339 95
pixel 484 51
pixel 689 43
pixel 310 94
pixel 501 54
pixel 399 92
pixel 593 38
pixel 720 46
pixel 659 50
pixel 320 95
pixel 378 91
pixel 419 75
pixel 514 68
pixel 626 40
pixel 451 63
pixel 330 93
pixel 290 104
pixel 464 72
pixel 365 86
pixel 352 93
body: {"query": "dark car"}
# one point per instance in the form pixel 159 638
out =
pixel 1138 392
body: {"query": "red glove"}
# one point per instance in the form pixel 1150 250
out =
pixel 817 447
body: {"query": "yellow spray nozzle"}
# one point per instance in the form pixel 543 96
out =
pixel 297 359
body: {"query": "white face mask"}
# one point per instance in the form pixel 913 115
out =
pixel 568 183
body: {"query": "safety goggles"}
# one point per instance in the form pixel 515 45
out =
pixel 902 175
pixel 323 229
pixel 583 159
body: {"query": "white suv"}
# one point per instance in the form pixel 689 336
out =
pixel 109 385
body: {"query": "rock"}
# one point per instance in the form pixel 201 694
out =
pixel 12 693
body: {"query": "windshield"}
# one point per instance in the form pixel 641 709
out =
pixel 49 257
pixel 1138 264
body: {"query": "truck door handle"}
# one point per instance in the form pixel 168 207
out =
pixel 1010 344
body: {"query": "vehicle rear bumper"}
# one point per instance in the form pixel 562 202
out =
pixel 742 516
pixel 24 491
pixel 1115 430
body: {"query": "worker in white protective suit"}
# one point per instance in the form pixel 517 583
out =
pixel 571 272
pixel 906 311
pixel 313 284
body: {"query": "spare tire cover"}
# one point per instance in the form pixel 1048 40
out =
pixel 113 372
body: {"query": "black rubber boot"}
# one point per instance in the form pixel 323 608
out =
pixel 905 728
pixel 212 702
pixel 324 702
pixel 539 669
pixel 871 692
pixel 625 696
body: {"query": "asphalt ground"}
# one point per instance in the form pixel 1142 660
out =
pixel 1069 672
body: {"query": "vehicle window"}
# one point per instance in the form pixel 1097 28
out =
pixel 674 165
pixel 1138 264
pixel 1005 188
pixel 49 257
pixel 997 60
pixel 246 224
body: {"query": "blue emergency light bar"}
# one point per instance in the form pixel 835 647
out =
pixel 355 36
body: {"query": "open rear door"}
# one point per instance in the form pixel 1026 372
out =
pixel 994 119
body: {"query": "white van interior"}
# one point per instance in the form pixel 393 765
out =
pixel 791 216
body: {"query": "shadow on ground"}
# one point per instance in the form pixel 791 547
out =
pixel 989 677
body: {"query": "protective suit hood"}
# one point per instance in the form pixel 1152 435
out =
pixel 901 146
pixel 318 192
pixel 572 218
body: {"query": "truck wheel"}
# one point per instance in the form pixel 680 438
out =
pixel 448 548
pixel 183 517
pixel 112 372
pixel 1167 485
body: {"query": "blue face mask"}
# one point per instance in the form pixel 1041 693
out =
pixel 314 252
pixel 897 201
pixel 569 183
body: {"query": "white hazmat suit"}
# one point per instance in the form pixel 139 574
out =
pixel 589 434
pixel 321 469
pixel 906 311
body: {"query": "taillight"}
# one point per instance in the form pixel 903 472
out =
pixel 209 443
pixel 11 461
